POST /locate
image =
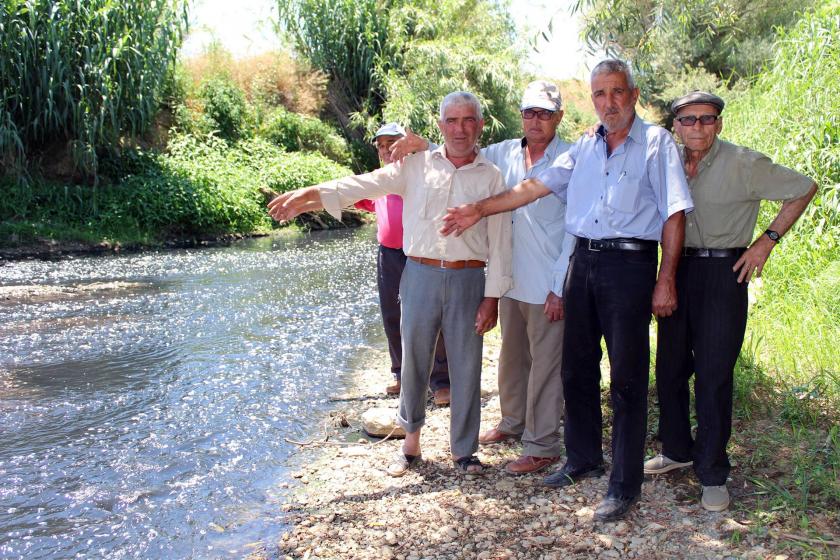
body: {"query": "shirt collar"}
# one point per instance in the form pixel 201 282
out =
pixel 440 152
pixel 636 133
pixel 550 150
pixel 709 157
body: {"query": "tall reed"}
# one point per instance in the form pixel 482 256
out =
pixel 82 72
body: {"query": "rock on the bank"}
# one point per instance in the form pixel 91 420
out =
pixel 379 422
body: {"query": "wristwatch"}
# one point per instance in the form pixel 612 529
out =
pixel 773 235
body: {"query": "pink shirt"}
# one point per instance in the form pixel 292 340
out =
pixel 389 228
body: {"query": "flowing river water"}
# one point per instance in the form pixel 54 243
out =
pixel 143 409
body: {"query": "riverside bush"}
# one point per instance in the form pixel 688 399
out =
pixel 202 186
pixel 225 107
pixel 302 133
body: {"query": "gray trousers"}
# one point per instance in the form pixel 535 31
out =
pixel 530 386
pixel 438 301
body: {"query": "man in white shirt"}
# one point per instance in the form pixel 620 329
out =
pixel 443 290
pixel 531 313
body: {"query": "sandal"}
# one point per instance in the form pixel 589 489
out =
pixel 469 465
pixel 402 463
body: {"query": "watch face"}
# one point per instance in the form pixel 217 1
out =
pixel 773 235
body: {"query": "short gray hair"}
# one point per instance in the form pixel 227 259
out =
pixel 460 98
pixel 614 66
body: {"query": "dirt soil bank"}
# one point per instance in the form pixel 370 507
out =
pixel 347 507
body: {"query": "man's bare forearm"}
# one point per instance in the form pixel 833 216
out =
pixel 673 237
pixel 521 194
pixel 791 211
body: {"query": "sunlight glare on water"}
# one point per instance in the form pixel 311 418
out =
pixel 148 421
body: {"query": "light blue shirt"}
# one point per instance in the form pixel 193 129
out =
pixel 541 248
pixel 631 193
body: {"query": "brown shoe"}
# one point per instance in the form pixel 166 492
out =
pixel 442 397
pixel 393 388
pixel 494 435
pixel 528 464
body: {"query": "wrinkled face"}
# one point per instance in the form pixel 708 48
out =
pixel 538 131
pixel 699 137
pixel 461 128
pixel 383 148
pixel 614 100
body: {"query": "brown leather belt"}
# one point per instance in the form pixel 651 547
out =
pixel 440 263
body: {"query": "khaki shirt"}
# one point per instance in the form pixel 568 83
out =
pixel 730 183
pixel 429 184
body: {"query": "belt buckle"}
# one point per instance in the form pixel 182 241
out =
pixel 442 263
pixel 590 246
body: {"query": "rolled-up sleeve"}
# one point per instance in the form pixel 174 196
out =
pixel 500 249
pixel 556 178
pixel 668 179
pixel 561 266
pixel 342 193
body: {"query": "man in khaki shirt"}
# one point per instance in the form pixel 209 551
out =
pixel 704 335
pixel 443 290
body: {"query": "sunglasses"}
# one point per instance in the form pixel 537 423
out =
pixel 529 114
pixel 705 120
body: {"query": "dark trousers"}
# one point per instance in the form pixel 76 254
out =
pixel 389 268
pixel 703 338
pixel 609 294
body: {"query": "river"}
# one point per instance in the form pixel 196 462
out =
pixel 146 418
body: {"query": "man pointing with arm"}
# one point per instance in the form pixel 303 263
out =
pixel 625 191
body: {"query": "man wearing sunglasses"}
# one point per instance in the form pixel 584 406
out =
pixel 531 314
pixel 626 192
pixel 704 335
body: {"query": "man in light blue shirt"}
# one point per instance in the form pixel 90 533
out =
pixel 531 313
pixel 626 191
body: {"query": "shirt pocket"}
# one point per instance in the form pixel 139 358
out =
pixel 623 196
pixel 435 200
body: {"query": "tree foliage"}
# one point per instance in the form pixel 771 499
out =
pixel 677 45
pixel 395 60
pixel 86 73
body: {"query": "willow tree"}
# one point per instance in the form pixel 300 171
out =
pixel 677 45
pixel 395 59
pixel 82 74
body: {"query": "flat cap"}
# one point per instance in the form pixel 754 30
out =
pixel 697 98
pixel 390 129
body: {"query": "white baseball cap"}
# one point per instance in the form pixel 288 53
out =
pixel 390 129
pixel 541 95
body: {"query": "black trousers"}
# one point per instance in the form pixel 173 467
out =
pixel 608 294
pixel 389 268
pixel 702 338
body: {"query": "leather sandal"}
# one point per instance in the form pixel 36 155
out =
pixel 469 465
pixel 402 463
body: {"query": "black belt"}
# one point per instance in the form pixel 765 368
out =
pixel 704 252
pixel 619 244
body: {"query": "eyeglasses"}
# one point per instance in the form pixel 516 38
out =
pixel 705 120
pixel 529 114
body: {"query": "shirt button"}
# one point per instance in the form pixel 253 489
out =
pixel 596 221
pixel 608 172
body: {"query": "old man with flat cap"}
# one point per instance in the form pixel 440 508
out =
pixel 703 336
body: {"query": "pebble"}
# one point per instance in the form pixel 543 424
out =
pixel 435 514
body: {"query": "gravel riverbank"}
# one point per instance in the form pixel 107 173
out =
pixel 345 506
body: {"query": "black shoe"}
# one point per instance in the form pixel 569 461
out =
pixel 613 508
pixel 568 475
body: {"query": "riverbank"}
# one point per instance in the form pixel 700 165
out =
pixel 345 506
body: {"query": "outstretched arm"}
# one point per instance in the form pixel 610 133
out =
pixel 754 258
pixel 288 205
pixel 408 144
pixel 459 219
